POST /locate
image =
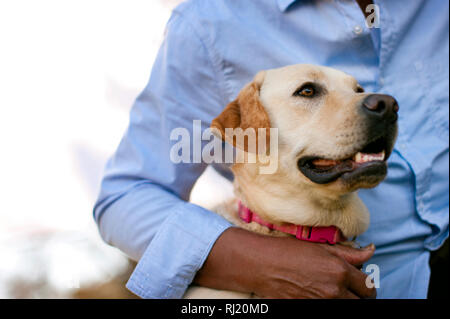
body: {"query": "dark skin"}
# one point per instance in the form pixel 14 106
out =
pixel 284 267
pixel 363 4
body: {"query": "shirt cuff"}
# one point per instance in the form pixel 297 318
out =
pixel 177 252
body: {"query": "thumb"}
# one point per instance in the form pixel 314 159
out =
pixel 353 256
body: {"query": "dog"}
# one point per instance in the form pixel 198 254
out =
pixel 333 139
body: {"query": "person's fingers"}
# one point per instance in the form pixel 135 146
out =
pixel 353 256
pixel 361 284
pixel 349 295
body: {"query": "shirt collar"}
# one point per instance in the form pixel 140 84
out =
pixel 284 4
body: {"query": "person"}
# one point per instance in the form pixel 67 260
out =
pixel 211 49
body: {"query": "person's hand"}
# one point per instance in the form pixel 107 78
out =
pixel 284 267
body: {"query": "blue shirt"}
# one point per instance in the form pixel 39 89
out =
pixel 211 49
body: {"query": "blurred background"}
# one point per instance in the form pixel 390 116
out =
pixel 69 73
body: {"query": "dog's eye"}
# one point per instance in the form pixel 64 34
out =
pixel 306 90
pixel 359 89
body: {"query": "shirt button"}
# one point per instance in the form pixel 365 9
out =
pixel 419 66
pixel 357 29
pixel 381 81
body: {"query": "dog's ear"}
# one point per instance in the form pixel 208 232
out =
pixel 245 112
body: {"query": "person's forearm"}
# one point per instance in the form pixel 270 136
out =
pixel 231 263
pixel 168 236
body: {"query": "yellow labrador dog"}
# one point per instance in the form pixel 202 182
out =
pixel 333 138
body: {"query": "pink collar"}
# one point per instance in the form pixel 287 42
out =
pixel 329 234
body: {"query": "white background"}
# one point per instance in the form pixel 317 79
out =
pixel 69 73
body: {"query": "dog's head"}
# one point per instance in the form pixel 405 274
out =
pixel 332 134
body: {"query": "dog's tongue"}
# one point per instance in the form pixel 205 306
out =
pixel 324 162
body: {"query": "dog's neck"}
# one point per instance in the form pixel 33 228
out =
pixel 299 206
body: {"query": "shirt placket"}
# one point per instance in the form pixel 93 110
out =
pixel 355 22
pixel 413 158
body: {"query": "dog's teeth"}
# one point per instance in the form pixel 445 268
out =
pixel 363 157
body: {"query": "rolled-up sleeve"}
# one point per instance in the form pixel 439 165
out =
pixel 142 208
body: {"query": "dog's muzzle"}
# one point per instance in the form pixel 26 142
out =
pixel 379 112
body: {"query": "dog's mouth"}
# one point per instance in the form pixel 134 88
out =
pixel 369 161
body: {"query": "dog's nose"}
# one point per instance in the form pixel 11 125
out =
pixel 381 107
